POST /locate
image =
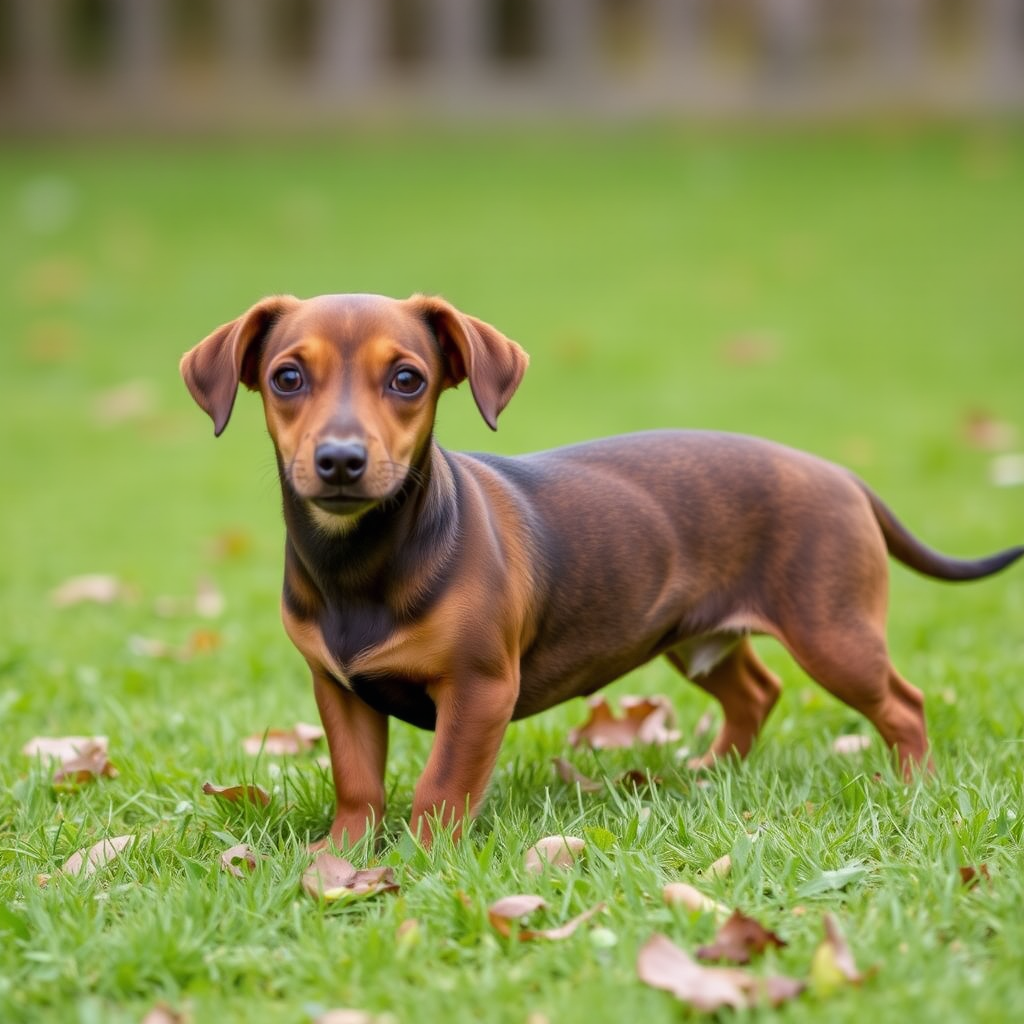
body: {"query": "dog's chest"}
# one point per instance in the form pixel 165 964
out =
pixel 366 651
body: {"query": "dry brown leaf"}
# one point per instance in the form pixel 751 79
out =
pixel 332 878
pixel 985 432
pixel 238 794
pixel 644 720
pixel 345 1016
pixel 296 740
pixel 239 860
pixel 209 601
pixel 852 743
pixel 704 725
pixel 63 748
pixel 719 868
pixel 1007 470
pixel 164 1014
pixel 752 349
pixel 149 647
pixel 970 876
pixel 662 964
pixel 739 939
pixel 503 912
pixel 832 965
pixel 130 401
pixel 553 851
pixel 95 588
pixel 201 641
pixel 682 894
pixel 639 778
pixel 568 772
pixel 96 855
pixel 231 543
pixel 90 763
pixel 51 341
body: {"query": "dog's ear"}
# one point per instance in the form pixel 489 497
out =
pixel 230 356
pixel 493 363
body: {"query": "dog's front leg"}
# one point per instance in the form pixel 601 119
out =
pixel 357 737
pixel 472 715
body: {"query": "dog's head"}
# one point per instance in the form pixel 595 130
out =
pixel 350 384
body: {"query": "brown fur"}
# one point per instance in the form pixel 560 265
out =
pixel 459 592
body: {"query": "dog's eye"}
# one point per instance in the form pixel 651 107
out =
pixel 407 382
pixel 287 380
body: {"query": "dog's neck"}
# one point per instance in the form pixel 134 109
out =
pixel 390 554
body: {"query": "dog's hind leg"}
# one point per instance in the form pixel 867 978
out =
pixel 746 690
pixel 852 662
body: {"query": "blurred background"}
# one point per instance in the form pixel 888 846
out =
pixel 86 64
pixel 796 218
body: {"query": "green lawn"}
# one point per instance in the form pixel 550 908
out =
pixel 857 293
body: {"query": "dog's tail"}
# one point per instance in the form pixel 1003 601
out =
pixel 906 548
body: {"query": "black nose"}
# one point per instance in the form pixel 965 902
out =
pixel 340 463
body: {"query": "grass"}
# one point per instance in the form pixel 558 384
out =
pixel 876 272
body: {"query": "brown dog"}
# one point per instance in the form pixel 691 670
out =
pixel 459 592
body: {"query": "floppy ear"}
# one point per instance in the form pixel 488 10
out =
pixel 229 356
pixel 493 363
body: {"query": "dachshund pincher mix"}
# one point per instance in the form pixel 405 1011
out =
pixel 459 592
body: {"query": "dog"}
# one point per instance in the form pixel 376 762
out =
pixel 460 592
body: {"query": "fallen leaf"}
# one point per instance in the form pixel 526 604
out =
pixel 719 868
pixel 95 588
pixel 970 876
pixel 853 743
pixel 209 602
pixel 567 772
pixel 130 401
pixel 985 432
pixel 739 939
pixel 333 878
pixel 751 349
pixel 238 794
pixel 201 641
pixel 239 860
pixel 704 725
pixel 90 763
pixel 345 1016
pixel 296 740
pixel 638 778
pixel 1007 470
pixel 553 851
pixel 681 894
pixel 662 964
pixel 408 933
pixel 644 720
pixel 96 855
pixel 63 748
pixel 51 340
pixel 503 912
pixel 148 647
pixel 164 1014
pixel 832 965
pixel 231 543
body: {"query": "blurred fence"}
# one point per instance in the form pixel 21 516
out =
pixel 67 64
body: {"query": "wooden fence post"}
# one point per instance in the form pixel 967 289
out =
pixel 677 29
pixel 571 42
pixel 459 43
pixel 139 50
pixel 35 28
pixel 897 34
pixel 1001 33
pixel 244 28
pixel 350 45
